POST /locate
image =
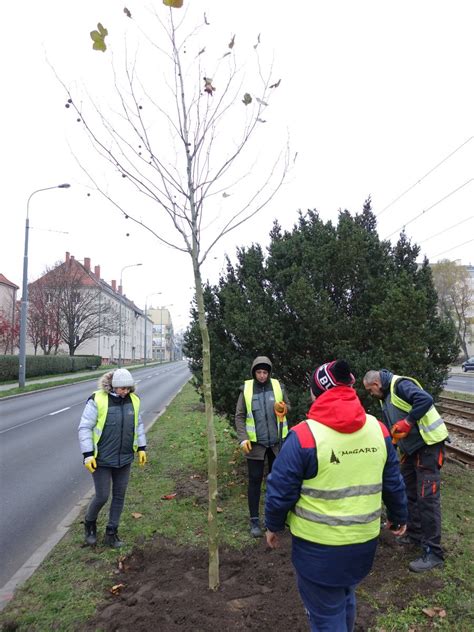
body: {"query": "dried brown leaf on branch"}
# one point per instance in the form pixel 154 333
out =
pixel 208 87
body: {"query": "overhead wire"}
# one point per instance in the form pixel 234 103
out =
pixel 445 230
pixel 453 248
pixel 423 177
pixel 430 207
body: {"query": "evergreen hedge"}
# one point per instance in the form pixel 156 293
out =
pixel 41 365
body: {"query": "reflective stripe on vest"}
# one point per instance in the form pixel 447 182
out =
pixel 249 420
pixel 431 426
pixel 342 503
pixel 101 399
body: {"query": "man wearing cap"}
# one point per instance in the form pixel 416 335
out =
pixel 260 421
pixel 419 432
pixel 110 432
pixel 328 484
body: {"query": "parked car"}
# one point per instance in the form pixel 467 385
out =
pixel 468 365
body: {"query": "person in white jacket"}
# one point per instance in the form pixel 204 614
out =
pixel 111 431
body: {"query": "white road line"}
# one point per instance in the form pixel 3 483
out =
pixel 30 421
pixel 60 411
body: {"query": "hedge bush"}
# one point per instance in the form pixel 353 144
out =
pixel 46 365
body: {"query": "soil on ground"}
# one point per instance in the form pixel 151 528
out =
pixel 165 588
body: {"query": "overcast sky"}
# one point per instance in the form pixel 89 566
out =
pixel 377 97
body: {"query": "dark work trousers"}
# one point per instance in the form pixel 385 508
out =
pixel 255 468
pixel 421 473
pixel 103 477
pixel 329 608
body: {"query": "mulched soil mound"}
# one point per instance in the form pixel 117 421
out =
pixel 165 589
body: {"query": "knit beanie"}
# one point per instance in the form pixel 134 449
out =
pixel 122 378
pixel 330 374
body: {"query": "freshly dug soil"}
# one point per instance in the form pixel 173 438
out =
pixel 165 588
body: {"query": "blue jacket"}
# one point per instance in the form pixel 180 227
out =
pixel 419 399
pixel 298 461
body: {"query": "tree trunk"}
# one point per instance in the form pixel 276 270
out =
pixel 211 437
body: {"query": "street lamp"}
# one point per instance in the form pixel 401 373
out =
pixel 24 296
pixel 132 265
pixel 161 330
pixel 146 318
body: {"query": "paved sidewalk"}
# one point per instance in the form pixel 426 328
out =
pixel 73 376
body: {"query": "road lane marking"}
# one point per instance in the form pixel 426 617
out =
pixel 60 411
pixel 30 421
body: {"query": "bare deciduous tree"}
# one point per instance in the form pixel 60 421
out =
pixel 455 298
pixel 65 306
pixel 192 146
pixel 43 317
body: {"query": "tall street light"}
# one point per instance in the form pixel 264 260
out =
pixel 146 319
pixel 24 296
pixel 161 331
pixel 132 265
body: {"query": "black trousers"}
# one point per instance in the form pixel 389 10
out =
pixel 255 469
pixel 421 472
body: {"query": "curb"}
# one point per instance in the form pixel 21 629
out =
pixel 32 563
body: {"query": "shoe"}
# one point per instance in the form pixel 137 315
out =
pixel 112 539
pixel 255 530
pixel 425 563
pixel 90 532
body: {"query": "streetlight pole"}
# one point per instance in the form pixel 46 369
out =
pixel 161 331
pixel 146 319
pixel 132 265
pixel 24 296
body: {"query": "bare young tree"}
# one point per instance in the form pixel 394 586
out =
pixel 191 144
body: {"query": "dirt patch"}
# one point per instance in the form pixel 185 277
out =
pixel 165 589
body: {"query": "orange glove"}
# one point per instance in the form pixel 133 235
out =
pixel 280 409
pixel 400 430
pixel 246 446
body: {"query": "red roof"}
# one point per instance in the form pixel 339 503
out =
pixel 5 281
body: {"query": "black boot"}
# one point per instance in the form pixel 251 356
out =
pixel 255 530
pixel 112 539
pixel 90 529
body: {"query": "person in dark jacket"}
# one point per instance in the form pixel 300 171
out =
pixel 328 484
pixel 260 421
pixel 110 432
pixel 419 432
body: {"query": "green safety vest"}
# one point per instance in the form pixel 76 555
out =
pixel 431 426
pixel 249 420
pixel 101 399
pixel 342 504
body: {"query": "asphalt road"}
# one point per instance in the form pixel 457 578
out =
pixel 461 382
pixel 41 473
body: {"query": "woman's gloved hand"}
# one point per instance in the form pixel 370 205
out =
pixel 246 446
pixel 280 409
pixel 141 457
pixel 90 464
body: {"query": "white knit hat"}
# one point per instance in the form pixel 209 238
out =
pixel 122 377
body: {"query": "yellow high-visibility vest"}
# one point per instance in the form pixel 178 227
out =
pixel 101 399
pixel 249 420
pixel 342 504
pixel 431 426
